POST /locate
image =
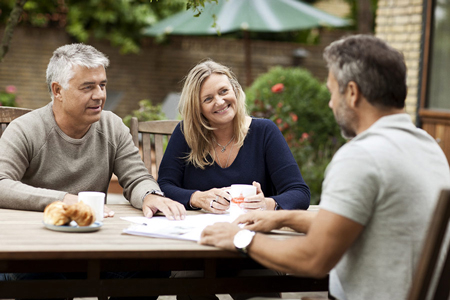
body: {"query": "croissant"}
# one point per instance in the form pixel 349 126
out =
pixel 81 213
pixel 55 213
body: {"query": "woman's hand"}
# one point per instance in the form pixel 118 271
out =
pixel 258 202
pixel 214 200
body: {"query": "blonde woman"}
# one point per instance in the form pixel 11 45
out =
pixel 218 144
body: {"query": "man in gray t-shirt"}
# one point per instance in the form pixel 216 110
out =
pixel 379 191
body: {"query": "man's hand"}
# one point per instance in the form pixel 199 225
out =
pixel 220 235
pixel 263 221
pixel 107 212
pixel 171 209
pixel 70 199
pixel 73 199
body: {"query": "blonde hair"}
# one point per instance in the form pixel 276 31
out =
pixel 196 128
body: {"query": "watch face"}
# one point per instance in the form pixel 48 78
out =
pixel 243 238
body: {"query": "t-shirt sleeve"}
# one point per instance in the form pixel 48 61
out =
pixel 128 166
pixel 351 184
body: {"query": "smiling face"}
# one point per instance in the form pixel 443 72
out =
pixel 218 100
pixel 345 117
pixel 81 104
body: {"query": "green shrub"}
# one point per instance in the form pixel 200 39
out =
pixel 146 112
pixel 8 96
pixel 298 104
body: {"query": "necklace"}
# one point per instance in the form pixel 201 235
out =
pixel 229 155
pixel 222 146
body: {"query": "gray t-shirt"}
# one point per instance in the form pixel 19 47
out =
pixel 39 163
pixel 387 179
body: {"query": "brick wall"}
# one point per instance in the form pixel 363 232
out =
pixel 153 73
pixel 400 24
pixel 338 8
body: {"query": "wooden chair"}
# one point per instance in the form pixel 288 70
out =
pixel 434 247
pixel 7 114
pixel 157 129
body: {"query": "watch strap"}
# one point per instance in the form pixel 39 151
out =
pixel 153 192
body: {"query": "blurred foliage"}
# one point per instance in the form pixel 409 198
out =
pixel 146 112
pixel 119 21
pixel 8 96
pixel 298 104
pixel 354 13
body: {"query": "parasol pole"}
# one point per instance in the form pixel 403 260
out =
pixel 247 58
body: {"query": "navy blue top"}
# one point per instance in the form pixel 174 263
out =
pixel 265 157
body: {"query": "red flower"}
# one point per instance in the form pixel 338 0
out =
pixel 278 121
pixel 279 105
pixel 278 88
pixel 305 135
pixel 294 117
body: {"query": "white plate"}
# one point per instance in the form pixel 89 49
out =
pixel 73 227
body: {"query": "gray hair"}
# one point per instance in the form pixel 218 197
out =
pixel 378 69
pixel 60 67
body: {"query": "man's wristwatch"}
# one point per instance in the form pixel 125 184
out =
pixel 242 240
pixel 153 192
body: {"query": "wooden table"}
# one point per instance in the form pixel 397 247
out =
pixel 26 246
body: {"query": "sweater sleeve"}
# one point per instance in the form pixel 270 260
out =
pixel 171 170
pixel 16 152
pixel 128 166
pixel 291 190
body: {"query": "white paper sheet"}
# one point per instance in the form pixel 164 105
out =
pixel 188 229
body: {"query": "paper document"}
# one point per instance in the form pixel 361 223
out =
pixel 188 229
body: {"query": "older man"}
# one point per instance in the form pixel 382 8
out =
pixel 72 145
pixel 379 190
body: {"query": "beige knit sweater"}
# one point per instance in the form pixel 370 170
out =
pixel 39 164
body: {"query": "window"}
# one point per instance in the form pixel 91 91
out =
pixel 438 87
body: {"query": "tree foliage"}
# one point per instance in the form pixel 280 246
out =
pixel 363 14
pixel 119 21
pixel 11 23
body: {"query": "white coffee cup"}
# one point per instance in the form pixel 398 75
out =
pixel 238 193
pixel 96 200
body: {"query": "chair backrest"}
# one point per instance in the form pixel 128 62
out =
pixel 7 114
pixel 432 252
pixel 152 146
